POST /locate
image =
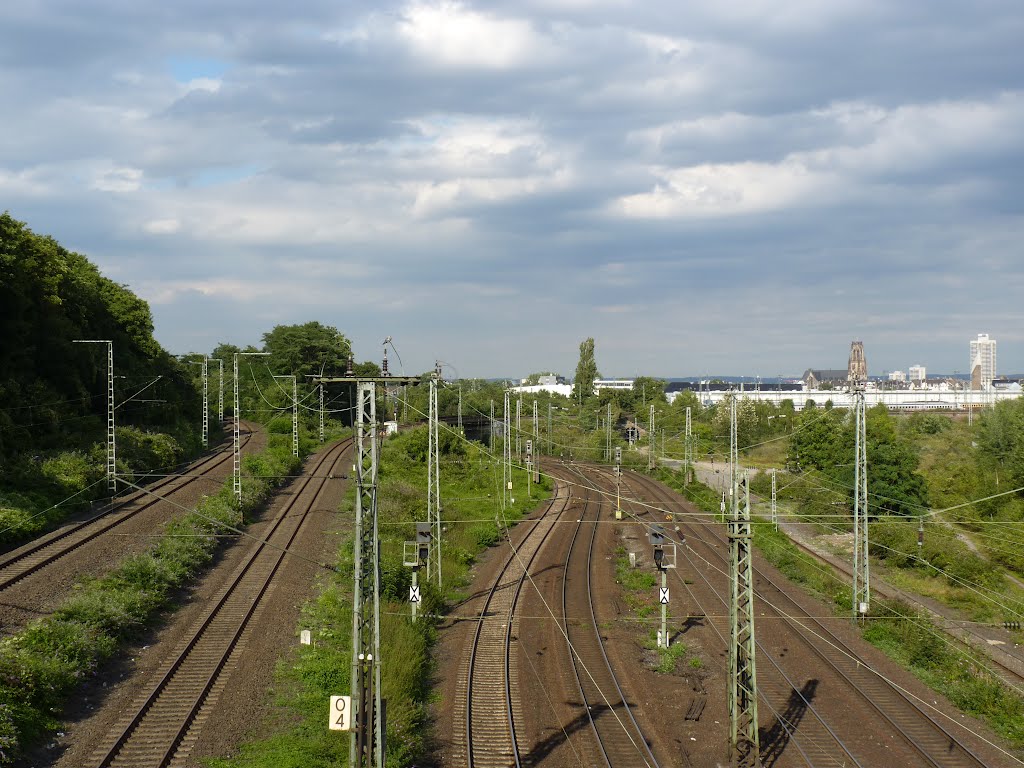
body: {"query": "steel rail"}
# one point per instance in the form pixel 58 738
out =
pixel 533 546
pixel 186 706
pixel 604 741
pixel 950 742
pixel 789 689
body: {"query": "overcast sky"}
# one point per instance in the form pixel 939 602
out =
pixel 727 187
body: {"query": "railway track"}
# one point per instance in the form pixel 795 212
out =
pixel 618 739
pixel 1010 673
pixel 164 723
pixel 35 556
pixel 929 741
pixel 491 676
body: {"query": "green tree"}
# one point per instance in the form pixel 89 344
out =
pixel 309 349
pixel 586 371
pixel 1001 438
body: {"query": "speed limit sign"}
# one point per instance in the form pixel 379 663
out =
pixel 341 713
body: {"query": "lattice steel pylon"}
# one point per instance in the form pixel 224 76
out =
pixel 205 362
pixel 367 749
pixel 688 446
pixel 861 567
pixel 236 467
pixel 744 744
pixel 220 390
pixel 519 431
pixel 536 446
pixel 650 440
pixel 608 434
pixel 506 456
pixel 434 486
pixel 111 436
pixel 321 411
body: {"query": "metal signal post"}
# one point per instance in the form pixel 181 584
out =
pixel 688 447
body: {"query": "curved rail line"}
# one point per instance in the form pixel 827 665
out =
pixel 490 723
pixel 926 737
pixel 48 548
pixel 815 740
pixel 162 727
pixel 618 737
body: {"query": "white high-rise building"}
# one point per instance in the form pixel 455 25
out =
pixel 916 373
pixel 983 358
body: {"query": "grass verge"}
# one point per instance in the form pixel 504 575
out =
pixel 41 666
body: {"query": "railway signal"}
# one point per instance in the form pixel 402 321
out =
pixel 416 554
pixel 664 559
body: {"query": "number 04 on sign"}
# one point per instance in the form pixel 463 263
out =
pixel 341 713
